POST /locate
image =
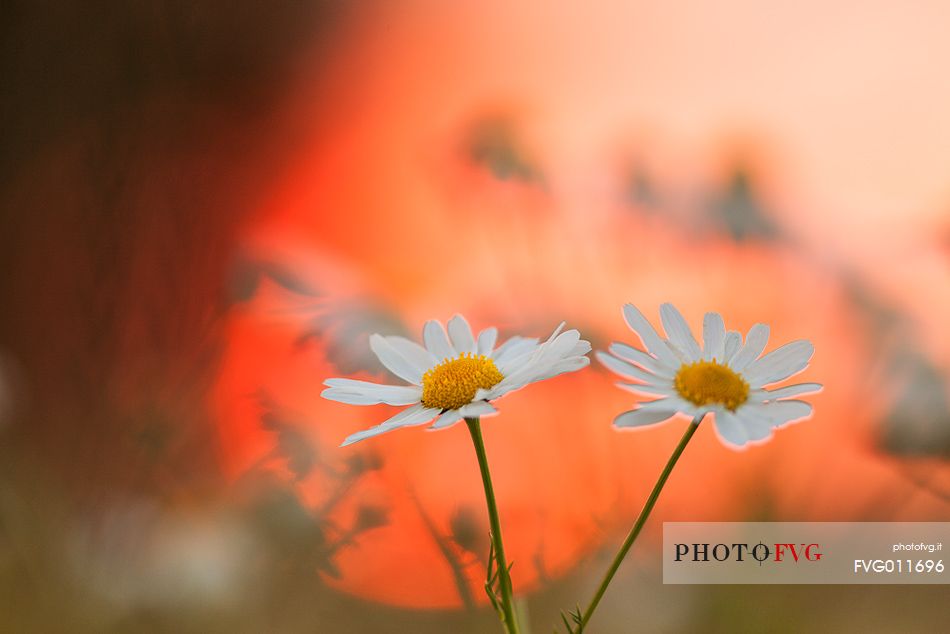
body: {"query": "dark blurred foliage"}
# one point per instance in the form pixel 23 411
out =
pixel 739 212
pixel 917 422
pixel 131 141
pixel 247 274
pixel 132 137
pixel 346 328
pixel 641 190
pixel 734 209
pixel 492 143
pixel 69 64
pixel 343 327
pixel 881 318
pixel 469 531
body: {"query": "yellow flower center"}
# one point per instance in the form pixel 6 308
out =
pixel 707 382
pixel 454 382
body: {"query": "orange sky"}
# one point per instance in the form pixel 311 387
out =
pixel 840 110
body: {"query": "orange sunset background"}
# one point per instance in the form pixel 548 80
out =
pixel 207 210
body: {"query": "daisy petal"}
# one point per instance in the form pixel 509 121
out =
pixel 678 332
pixel 641 418
pixel 580 348
pixel 363 435
pixel 757 427
pixel 521 360
pixel 784 412
pixel 639 324
pixel 447 419
pixel 513 363
pixel 394 361
pixel 557 332
pixel 730 429
pixel 641 358
pixel 486 340
pixel 731 345
pixel 477 409
pixel 754 345
pixel 623 368
pixel 671 404
pixel 548 359
pixel 355 392
pixel 460 333
pixel 562 345
pixel 780 364
pixel 714 335
pixel 542 361
pixel 415 354
pixel 652 372
pixel 571 364
pixel 514 347
pixel 555 347
pixel 785 392
pixel 522 365
pixel 437 342
pixel 415 415
pixel 682 357
pixel 639 388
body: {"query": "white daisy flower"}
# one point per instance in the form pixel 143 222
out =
pixel 724 376
pixel 455 376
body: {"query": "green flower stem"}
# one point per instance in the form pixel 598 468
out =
pixel 504 580
pixel 641 520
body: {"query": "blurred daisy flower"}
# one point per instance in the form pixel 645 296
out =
pixel 724 376
pixel 456 375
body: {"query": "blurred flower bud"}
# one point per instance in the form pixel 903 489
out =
pixel 468 531
pixel 370 516
pixel 360 463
